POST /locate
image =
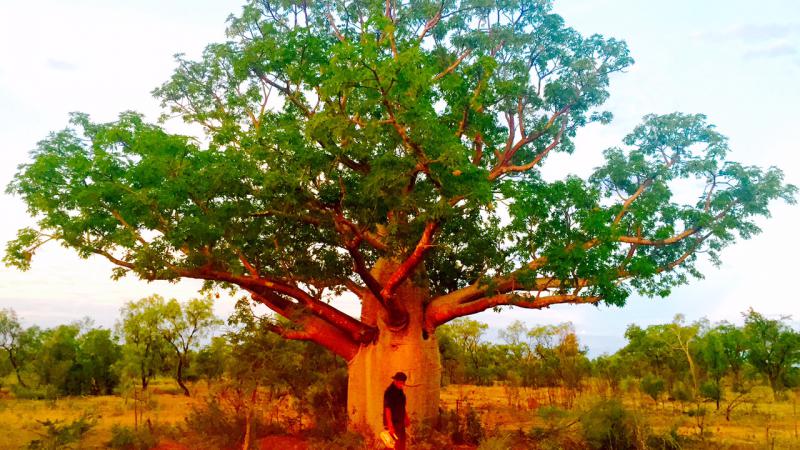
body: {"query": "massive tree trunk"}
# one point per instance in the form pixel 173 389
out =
pixel 408 348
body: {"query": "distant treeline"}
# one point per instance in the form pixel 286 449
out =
pixel 157 337
pixel 681 361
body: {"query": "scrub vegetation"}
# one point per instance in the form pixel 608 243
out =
pixel 674 385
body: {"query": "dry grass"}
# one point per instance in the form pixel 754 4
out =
pixel 759 424
pixel 19 419
pixel 762 423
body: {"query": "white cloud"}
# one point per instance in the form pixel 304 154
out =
pixel 772 49
pixel 749 32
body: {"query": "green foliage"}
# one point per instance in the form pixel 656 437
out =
pixel 652 386
pixel 467 335
pixel 182 326
pixel 59 435
pixel 69 359
pixel 712 390
pixel 13 341
pixel 670 440
pixel 716 356
pixel 221 421
pixel 144 349
pixel 44 392
pixel 127 438
pixel 773 348
pixel 558 426
pixel 98 352
pixel 212 359
pixel 541 356
pixel 608 425
pixel 55 363
pixel 611 368
pixel 681 392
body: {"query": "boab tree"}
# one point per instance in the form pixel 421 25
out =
pixel 393 150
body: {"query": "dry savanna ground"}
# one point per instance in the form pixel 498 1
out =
pixel 760 422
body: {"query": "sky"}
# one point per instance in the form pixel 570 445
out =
pixel 738 62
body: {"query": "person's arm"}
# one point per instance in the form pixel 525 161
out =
pixel 390 426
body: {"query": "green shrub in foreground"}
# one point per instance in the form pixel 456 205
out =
pixel 609 426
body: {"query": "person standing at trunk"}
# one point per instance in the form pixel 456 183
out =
pixel 395 417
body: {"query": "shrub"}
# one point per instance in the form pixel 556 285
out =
pixel 608 425
pixel 129 439
pixel 222 425
pixel 682 393
pixel 328 402
pixel 652 385
pixel 497 442
pixel 712 391
pixel 473 430
pixel 667 441
pixel 146 437
pixel 58 435
pixel 46 392
pixel 435 434
pixel 557 432
pixel 215 424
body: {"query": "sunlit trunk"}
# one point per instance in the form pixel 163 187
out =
pixel 407 350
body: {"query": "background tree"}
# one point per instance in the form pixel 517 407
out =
pixel 212 359
pixel 98 352
pixel 560 362
pixel 612 369
pixel 773 348
pixel 182 326
pixel 734 345
pixel 651 351
pixel 55 362
pixel 143 349
pixel 467 335
pixel 378 148
pixel 10 331
pixel 682 338
pixel 714 360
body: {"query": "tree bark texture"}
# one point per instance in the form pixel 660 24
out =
pixel 408 349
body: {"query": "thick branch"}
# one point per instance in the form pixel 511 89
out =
pixel 431 23
pixel 354 328
pixel 335 28
pixel 453 66
pixel 312 329
pixel 437 316
pixel 408 266
pixel 361 269
pixel 502 166
pixel 642 187
pixel 670 240
pixel 114 259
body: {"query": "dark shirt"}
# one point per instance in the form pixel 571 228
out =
pixel 395 400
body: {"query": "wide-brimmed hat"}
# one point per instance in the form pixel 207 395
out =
pixel 400 376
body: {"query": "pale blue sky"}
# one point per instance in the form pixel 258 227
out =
pixel 738 62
